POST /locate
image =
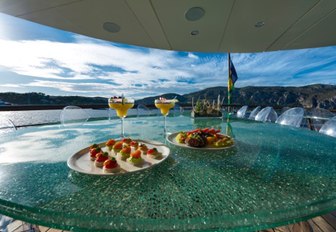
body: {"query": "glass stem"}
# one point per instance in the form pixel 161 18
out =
pixel 164 125
pixel 122 127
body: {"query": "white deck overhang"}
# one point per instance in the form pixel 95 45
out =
pixel 213 26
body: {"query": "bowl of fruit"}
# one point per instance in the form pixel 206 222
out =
pixel 204 139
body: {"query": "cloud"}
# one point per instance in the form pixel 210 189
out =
pixel 284 68
pixel 193 56
pixel 11 85
pixel 74 67
pixel 97 68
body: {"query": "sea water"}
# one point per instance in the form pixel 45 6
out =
pixel 36 117
pixel 33 117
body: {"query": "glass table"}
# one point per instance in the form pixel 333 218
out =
pixel 274 175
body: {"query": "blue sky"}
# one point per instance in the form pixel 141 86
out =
pixel 36 58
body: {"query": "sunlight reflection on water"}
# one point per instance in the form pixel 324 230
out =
pixel 21 118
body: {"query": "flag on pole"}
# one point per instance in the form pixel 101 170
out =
pixel 233 77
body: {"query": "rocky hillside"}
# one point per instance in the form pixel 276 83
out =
pixel 43 99
pixel 321 96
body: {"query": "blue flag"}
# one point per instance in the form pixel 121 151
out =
pixel 233 77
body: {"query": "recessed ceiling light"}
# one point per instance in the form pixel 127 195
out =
pixel 194 13
pixel 259 24
pixel 194 32
pixel 111 27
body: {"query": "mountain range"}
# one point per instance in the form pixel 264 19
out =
pixel 311 96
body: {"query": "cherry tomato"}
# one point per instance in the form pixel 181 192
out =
pixel 136 154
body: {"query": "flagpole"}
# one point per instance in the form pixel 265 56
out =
pixel 229 99
pixel 229 92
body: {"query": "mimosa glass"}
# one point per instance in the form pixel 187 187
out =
pixel 164 105
pixel 121 105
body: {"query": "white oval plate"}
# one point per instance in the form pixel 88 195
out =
pixel 80 161
pixel 172 140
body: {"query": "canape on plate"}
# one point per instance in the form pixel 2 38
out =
pixel 126 140
pixel 93 152
pixel 154 153
pixel 143 148
pixel 110 143
pixel 124 145
pixel 101 157
pixel 135 158
pixel 111 166
pixel 134 144
pixel 93 146
pixel 117 147
pixel 125 153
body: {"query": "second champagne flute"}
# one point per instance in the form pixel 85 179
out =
pixel 165 105
pixel 121 105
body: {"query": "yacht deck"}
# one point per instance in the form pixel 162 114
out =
pixel 324 223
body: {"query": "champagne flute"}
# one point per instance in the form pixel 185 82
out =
pixel 164 105
pixel 121 105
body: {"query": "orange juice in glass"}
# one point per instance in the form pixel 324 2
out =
pixel 164 105
pixel 121 105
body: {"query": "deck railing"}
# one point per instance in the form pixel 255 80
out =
pixel 233 107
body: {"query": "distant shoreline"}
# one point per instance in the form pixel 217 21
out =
pixel 311 96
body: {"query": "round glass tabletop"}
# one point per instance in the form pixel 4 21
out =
pixel 274 175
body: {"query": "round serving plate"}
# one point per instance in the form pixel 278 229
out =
pixel 80 161
pixel 172 139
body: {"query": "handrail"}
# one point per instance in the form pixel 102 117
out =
pixel 48 107
pixel 105 106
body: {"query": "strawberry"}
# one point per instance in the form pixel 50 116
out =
pixel 193 131
pixel 205 130
pixel 219 136
pixel 212 131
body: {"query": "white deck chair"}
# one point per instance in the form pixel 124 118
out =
pixel 254 112
pixel 267 114
pixel 73 115
pixel 317 117
pixel 242 112
pixel 284 109
pixel 292 117
pixel 4 222
pixel 6 125
pixel 329 127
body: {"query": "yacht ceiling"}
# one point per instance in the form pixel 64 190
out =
pixel 228 25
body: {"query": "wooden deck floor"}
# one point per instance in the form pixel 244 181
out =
pixel 325 223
